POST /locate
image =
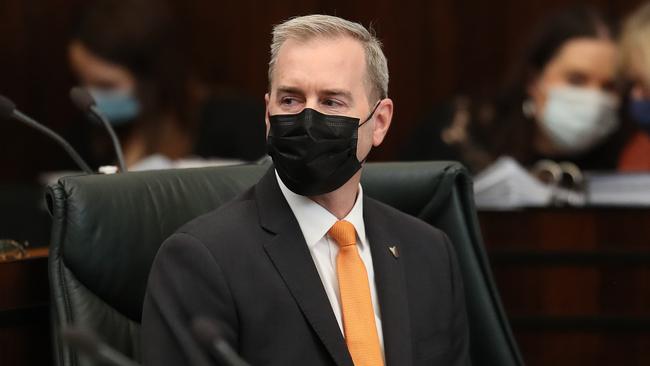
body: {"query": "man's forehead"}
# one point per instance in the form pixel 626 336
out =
pixel 334 63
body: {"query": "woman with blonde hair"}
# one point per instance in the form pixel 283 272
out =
pixel 635 63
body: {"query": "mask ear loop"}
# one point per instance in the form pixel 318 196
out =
pixel 371 113
pixel 364 122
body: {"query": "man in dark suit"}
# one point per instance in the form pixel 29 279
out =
pixel 303 269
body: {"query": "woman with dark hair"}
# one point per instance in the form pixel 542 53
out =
pixel 561 104
pixel 131 56
pixel 127 53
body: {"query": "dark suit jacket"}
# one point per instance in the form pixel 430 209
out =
pixel 247 265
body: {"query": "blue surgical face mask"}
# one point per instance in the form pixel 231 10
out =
pixel 639 110
pixel 119 107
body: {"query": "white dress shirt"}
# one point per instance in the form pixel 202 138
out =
pixel 315 221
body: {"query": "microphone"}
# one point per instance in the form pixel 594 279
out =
pixel 208 333
pixel 89 344
pixel 84 101
pixel 8 111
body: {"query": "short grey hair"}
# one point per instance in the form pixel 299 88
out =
pixel 305 28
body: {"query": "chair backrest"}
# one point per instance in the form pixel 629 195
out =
pixel 108 228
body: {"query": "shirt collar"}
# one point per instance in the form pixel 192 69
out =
pixel 315 221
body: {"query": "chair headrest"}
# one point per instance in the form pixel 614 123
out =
pixel 108 228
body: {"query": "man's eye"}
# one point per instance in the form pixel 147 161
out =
pixel 288 101
pixel 331 103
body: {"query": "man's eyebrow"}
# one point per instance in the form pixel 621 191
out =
pixel 289 90
pixel 283 89
pixel 337 93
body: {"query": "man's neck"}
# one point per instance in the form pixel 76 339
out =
pixel 340 201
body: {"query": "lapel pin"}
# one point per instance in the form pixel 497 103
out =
pixel 394 251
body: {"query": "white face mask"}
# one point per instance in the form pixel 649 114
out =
pixel 576 119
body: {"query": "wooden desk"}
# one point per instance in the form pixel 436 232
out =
pixel 24 311
pixel 575 282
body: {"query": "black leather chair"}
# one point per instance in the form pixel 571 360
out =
pixel 107 229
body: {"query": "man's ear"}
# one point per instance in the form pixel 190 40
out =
pixel 383 118
pixel 267 98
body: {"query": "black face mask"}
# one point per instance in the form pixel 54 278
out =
pixel 314 153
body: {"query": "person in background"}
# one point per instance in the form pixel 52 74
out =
pixel 561 104
pixel 635 63
pixel 130 55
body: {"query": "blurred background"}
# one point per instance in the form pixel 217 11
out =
pixel 436 50
pixel 573 277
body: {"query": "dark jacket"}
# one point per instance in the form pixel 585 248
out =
pixel 247 265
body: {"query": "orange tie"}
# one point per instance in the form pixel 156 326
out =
pixel 358 314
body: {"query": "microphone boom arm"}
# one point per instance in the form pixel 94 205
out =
pixel 116 142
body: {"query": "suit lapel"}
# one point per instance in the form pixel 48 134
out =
pixel 290 256
pixel 391 286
